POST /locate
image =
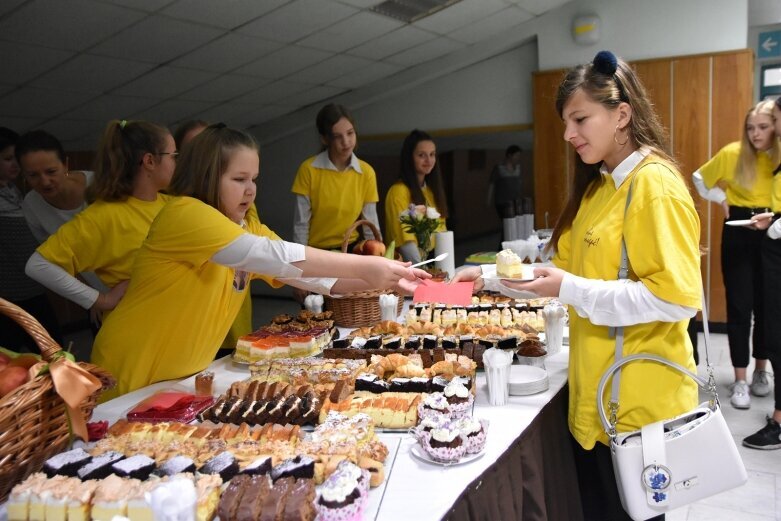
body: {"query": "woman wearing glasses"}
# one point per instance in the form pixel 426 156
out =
pixel 135 160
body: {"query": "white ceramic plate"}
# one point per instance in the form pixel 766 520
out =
pixel 527 274
pixel 739 222
pixel 420 453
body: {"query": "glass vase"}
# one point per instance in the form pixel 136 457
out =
pixel 424 246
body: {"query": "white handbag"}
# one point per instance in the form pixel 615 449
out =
pixel 673 462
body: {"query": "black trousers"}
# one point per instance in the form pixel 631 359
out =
pixel 741 266
pixel 597 484
pixel 771 265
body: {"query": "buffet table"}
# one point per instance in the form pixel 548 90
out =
pixel 526 471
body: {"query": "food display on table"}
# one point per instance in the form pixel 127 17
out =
pixel 238 472
pixel 433 342
pixel 303 335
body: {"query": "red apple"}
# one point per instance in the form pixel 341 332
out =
pixel 26 361
pixel 372 247
pixel 12 377
pixel 358 248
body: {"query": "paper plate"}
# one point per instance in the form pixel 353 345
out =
pixel 739 222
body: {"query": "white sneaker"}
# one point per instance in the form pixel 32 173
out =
pixel 739 395
pixel 760 383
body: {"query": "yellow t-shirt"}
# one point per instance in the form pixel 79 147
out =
pixel 242 325
pixel 179 305
pixel 337 199
pixel 723 167
pixel 662 230
pixel 103 238
pixel 397 200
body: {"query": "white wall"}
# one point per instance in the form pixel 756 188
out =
pixel 492 84
pixel 639 29
pixel 492 92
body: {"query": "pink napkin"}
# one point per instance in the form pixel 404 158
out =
pixel 457 293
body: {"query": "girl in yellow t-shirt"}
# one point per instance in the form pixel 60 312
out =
pixel 334 187
pixel 739 178
pixel 420 183
pixel 619 143
pixel 769 436
pixel 135 160
pixel 192 271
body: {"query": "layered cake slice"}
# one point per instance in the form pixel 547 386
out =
pixel 508 264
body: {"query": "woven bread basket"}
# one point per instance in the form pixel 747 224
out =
pixel 361 308
pixel 33 420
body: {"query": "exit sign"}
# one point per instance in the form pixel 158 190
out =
pixel 769 44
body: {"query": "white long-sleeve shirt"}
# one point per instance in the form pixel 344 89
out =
pixel 715 194
pixel 605 302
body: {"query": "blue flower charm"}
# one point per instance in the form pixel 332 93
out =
pixel 656 478
pixel 660 496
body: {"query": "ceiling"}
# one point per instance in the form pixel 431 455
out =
pixel 69 66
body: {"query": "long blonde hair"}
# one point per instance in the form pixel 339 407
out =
pixel 746 169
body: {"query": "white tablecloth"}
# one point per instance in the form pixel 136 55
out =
pixel 415 489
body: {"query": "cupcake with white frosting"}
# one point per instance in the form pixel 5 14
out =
pixel 445 444
pixel 434 406
pixel 459 399
pixel 473 432
pixel 343 494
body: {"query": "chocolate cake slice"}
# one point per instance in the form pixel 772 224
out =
pixel 259 467
pixel 223 464
pixel 311 412
pixel 252 501
pixel 262 412
pixel 300 501
pixel 136 467
pixel 292 408
pixel 100 466
pixel 66 463
pixel 231 498
pixel 298 467
pixel 413 342
pixel 276 410
pixel 273 503
pixel 176 465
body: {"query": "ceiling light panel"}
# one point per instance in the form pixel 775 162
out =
pixel 411 10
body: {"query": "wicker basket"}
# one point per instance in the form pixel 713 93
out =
pixel 361 308
pixel 33 422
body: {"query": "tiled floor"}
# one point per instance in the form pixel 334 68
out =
pixel 760 497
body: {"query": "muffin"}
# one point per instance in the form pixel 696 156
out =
pixel 434 406
pixel 445 444
pixel 427 425
pixel 474 434
pixel 459 399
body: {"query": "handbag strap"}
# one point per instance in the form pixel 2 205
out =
pixel 708 385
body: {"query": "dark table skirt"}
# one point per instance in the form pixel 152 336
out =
pixel 533 480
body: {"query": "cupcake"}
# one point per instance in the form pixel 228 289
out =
pixel 445 444
pixel 435 406
pixel 426 425
pixel 473 431
pixel 459 399
pixel 342 496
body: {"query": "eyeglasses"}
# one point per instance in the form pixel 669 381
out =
pixel 173 155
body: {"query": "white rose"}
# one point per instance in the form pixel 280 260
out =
pixel 432 213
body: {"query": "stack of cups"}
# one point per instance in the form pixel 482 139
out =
pixel 388 306
pixel 555 315
pixel 497 372
pixel 510 229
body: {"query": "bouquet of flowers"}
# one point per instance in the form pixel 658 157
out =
pixel 421 221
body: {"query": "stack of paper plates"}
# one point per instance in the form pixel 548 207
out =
pixel 526 379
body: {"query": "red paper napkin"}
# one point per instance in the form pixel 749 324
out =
pixel 457 293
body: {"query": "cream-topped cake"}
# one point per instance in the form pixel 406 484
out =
pixel 508 264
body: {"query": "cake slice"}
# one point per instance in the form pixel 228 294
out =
pixel 508 264
pixel 300 502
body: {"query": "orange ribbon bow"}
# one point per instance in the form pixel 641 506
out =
pixel 73 384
